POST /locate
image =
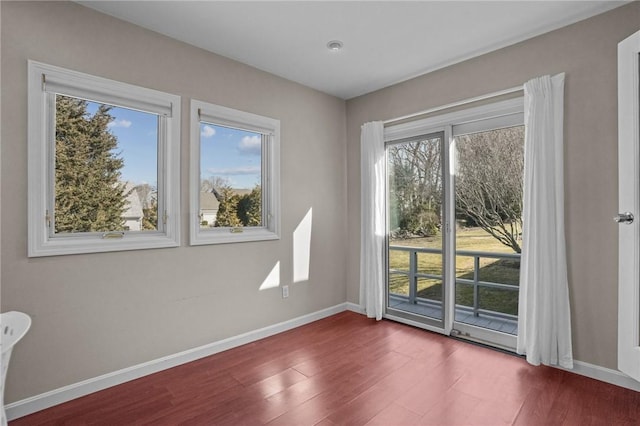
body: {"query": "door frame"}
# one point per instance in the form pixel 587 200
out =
pixel 445 123
pixel 440 326
pixel 629 201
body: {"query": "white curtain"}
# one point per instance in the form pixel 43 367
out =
pixel 372 228
pixel 544 326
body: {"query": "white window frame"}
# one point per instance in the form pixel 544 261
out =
pixel 204 112
pixel 491 116
pixel 45 81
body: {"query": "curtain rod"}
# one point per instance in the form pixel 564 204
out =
pixel 456 104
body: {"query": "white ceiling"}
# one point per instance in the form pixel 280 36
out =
pixel 385 42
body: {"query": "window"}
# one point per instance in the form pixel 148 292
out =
pixel 103 164
pixel 235 177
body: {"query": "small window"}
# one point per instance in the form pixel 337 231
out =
pixel 103 164
pixel 234 175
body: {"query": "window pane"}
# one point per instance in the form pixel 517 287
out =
pixel 398 284
pixel 489 173
pixel 230 177
pixel 488 190
pixel 415 191
pixel 106 168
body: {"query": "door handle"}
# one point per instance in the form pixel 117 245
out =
pixel 626 218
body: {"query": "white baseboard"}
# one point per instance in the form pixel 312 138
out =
pixel 67 393
pixel 354 307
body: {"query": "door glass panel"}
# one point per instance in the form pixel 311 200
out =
pixel 488 206
pixel 415 191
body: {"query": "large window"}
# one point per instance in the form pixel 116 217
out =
pixel 103 164
pixel 234 175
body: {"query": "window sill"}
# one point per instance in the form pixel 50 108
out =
pixel 225 236
pixel 80 245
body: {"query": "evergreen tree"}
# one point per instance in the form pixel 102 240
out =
pixel 89 196
pixel 250 208
pixel 150 216
pixel 228 209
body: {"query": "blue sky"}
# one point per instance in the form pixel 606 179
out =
pixel 233 155
pixel 230 154
pixel 137 134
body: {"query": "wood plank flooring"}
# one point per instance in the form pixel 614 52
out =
pixel 348 370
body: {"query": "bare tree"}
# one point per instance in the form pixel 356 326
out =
pixel 214 182
pixel 149 197
pixel 147 194
pixel 489 182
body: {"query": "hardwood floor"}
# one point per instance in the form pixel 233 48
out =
pixel 348 370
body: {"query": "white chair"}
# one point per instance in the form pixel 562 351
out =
pixel 14 326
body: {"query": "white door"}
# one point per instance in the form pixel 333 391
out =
pixel 629 206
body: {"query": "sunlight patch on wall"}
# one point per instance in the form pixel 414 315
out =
pixel 302 248
pixel 273 279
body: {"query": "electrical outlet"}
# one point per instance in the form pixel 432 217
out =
pixel 285 291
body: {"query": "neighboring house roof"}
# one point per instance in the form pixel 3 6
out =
pixel 208 201
pixel 236 191
pixel 134 205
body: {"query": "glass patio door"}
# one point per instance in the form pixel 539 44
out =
pixel 454 227
pixel 416 211
pixel 488 233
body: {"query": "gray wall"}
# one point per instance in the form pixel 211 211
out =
pixel 94 314
pixel 587 52
pixel 97 313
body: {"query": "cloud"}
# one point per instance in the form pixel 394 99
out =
pixel 235 171
pixel 120 123
pixel 250 145
pixel 207 132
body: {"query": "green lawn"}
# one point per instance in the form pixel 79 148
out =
pixel 505 271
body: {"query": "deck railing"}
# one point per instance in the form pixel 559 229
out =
pixel 413 275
